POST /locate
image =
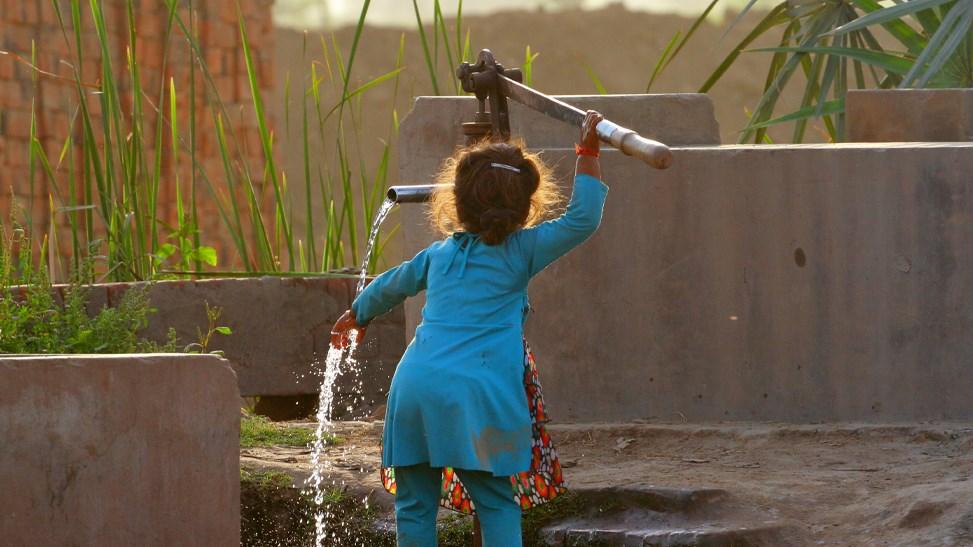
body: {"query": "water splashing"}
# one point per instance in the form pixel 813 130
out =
pixel 332 369
pixel 336 362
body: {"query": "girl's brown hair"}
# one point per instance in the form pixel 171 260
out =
pixel 493 201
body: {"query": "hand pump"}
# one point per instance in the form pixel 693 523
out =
pixel 491 83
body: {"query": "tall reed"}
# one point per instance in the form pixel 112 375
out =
pixel 126 150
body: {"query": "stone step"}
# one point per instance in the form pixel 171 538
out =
pixel 705 536
pixel 652 498
pixel 651 516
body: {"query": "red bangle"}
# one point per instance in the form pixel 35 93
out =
pixel 582 151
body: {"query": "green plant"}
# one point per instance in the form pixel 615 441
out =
pixel 258 431
pixel 110 197
pixel 265 478
pixel 37 318
pixel 600 87
pixel 339 192
pixel 212 329
pixel 834 45
pixel 528 66
pixel 439 29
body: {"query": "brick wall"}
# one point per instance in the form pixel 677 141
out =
pixel 32 25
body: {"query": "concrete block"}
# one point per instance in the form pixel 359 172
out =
pixel 281 329
pixel 119 450
pixel 910 115
pixel 788 283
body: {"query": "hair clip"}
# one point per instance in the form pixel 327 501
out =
pixel 505 166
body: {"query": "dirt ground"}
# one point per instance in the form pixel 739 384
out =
pixel 842 484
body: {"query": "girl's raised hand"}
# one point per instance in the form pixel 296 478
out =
pixel 342 329
pixel 589 135
pixel 589 146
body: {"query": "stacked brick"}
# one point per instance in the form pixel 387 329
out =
pixel 30 29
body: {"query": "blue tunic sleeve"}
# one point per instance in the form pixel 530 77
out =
pixel 546 242
pixel 391 288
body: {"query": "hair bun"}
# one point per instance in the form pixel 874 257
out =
pixel 497 216
pixel 495 224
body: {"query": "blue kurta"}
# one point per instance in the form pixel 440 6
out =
pixel 457 397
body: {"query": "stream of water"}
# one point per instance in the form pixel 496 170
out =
pixel 338 361
pixel 380 216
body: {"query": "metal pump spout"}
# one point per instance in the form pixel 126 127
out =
pixel 419 193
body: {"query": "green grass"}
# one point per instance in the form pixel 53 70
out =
pixel 264 478
pixel 258 431
pixel 455 530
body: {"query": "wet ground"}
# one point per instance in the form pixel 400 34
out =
pixel 830 484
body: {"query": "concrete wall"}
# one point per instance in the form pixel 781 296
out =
pixel 910 115
pixel 281 330
pixel 793 283
pixel 119 450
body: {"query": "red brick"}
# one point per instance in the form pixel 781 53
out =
pixel 254 146
pixel 13 11
pixel 243 88
pixel 90 44
pixel 18 39
pixel 16 124
pixel 225 88
pixel 6 67
pixel 256 8
pixel 223 35
pixel 90 69
pixel 55 123
pixel 56 94
pixel 150 18
pixel 10 94
pixel 215 60
pixel 227 11
pixel 32 14
pixel 265 72
pixel 16 155
pixel 48 16
pixel 149 52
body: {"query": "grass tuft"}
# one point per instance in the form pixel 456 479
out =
pixel 258 431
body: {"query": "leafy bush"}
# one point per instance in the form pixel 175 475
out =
pixel 36 317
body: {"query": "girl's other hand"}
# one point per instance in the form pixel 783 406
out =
pixel 342 329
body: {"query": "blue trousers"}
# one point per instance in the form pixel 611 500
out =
pixel 417 501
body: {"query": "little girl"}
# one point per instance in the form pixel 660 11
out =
pixel 457 399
